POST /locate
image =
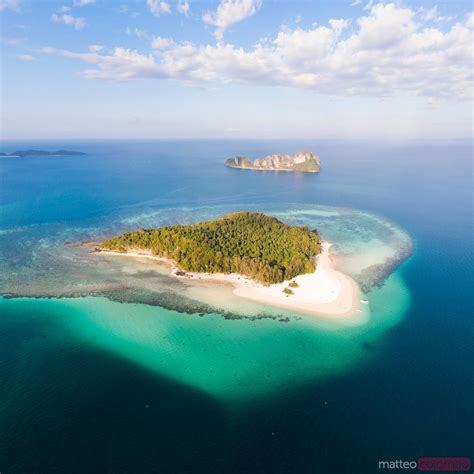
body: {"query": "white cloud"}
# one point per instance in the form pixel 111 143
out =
pixel 161 43
pixel 431 14
pixel 428 14
pixel 229 12
pixel 355 3
pixel 140 34
pixel 13 5
pixel 65 9
pixel 125 9
pixel 95 48
pixel 369 5
pixel 123 64
pixel 25 57
pixel 389 51
pixel 77 22
pixel 470 20
pixel 83 3
pixel 13 41
pixel 183 7
pixel 158 7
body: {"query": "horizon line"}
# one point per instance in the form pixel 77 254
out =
pixel 471 138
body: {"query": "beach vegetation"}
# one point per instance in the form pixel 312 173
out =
pixel 250 243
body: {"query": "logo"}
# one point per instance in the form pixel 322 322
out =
pixel 429 464
pixel 444 464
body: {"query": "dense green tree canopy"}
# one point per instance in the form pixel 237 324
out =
pixel 250 243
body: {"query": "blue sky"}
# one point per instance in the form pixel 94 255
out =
pixel 236 69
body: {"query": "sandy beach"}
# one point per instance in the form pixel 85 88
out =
pixel 325 292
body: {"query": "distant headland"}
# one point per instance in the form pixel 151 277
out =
pixel 23 153
pixel 303 161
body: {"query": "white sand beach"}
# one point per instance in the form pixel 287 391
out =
pixel 325 292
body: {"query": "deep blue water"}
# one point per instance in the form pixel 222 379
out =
pixel 416 400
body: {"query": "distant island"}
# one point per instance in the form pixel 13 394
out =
pixel 303 161
pixel 248 243
pixel 23 153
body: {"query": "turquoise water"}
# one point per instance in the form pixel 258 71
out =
pixel 115 340
pixel 236 350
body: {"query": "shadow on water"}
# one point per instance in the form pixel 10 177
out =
pixel 344 425
pixel 67 408
pixel 71 409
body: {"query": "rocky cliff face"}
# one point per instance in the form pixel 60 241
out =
pixel 239 162
pixel 305 161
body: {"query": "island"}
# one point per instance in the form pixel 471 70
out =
pixel 249 243
pixel 264 259
pixel 303 161
pixel 23 153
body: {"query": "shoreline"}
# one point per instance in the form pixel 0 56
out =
pixel 268 169
pixel 325 292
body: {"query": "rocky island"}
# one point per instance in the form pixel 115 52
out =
pixel 303 161
pixel 23 153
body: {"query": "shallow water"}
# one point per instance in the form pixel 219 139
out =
pixel 236 357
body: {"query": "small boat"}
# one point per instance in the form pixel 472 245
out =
pixel 364 301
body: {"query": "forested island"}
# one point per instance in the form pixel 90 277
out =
pixel 23 153
pixel 248 243
pixel 303 161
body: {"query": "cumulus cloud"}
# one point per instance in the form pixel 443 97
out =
pixel 470 20
pixel 77 22
pixel 429 13
pixel 158 7
pixel 161 43
pixel 389 50
pixel 183 7
pixel 229 12
pixel 13 5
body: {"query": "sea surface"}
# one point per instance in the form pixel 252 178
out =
pixel 108 365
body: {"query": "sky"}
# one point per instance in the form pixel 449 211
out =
pixel 235 69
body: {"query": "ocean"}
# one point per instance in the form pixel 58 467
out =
pixel 109 366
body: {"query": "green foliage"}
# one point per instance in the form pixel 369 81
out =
pixel 293 284
pixel 309 165
pixel 252 244
pixel 288 291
